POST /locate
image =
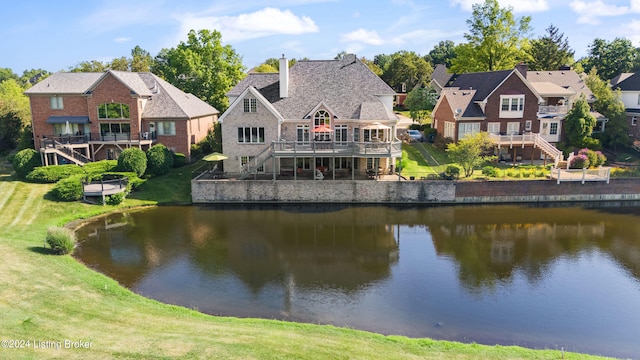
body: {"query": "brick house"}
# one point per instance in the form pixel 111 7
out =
pixel 333 116
pixel 523 111
pixel 629 86
pixel 81 117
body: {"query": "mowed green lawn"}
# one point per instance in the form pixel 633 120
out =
pixel 46 299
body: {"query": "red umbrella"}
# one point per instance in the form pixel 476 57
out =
pixel 322 129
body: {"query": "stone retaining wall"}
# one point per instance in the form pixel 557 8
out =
pixel 410 192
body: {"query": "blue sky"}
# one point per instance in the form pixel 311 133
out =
pixel 56 35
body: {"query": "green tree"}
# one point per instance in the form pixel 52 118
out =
pixel 610 105
pixel 420 102
pixel 10 130
pixel 407 68
pixel 264 68
pixel 443 53
pixel 383 61
pixel 90 66
pixel 140 60
pixel 13 99
pixel 119 64
pixel 201 66
pixel 33 76
pixel 372 66
pixel 551 51
pixel 496 40
pixel 471 151
pixel 579 124
pixel 611 58
pixel 6 74
pixel 159 160
pixel 134 160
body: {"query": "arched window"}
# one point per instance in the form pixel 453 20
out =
pixel 113 111
pixel 322 118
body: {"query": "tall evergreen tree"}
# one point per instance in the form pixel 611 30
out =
pixel 496 39
pixel 579 125
pixel 551 51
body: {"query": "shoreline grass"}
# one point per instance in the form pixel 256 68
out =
pixel 47 299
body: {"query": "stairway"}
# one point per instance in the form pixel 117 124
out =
pixel 549 149
pixel 254 164
pixel 70 154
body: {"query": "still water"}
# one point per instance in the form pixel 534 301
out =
pixel 555 277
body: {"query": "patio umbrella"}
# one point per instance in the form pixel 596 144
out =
pixel 215 156
pixel 67 128
pixel 322 129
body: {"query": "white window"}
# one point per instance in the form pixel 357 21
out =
pixel 322 118
pixel 56 103
pixel 302 134
pixel 251 135
pixel 449 129
pixel 527 125
pixel 166 127
pixel 250 105
pixel 244 160
pixel 342 163
pixel 513 128
pixel 465 129
pixel 634 121
pixel 553 128
pixel 493 128
pixel 511 106
pixel 341 134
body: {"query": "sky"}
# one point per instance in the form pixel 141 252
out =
pixel 57 35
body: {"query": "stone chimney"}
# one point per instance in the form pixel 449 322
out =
pixel 522 68
pixel 284 77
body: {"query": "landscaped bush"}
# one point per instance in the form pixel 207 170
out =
pixel 114 199
pixel 54 173
pixel 490 171
pixel 101 166
pixel 580 161
pixel 25 161
pixel 159 160
pixel 179 159
pixel 452 171
pixel 134 160
pixel 441 142
pixel 61 240
pixel 69 189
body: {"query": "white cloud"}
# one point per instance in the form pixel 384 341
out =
pixel 519 6
pixel 631 31
pixel 362 36
pixel 122 39
pixel 590 11
pixel 265 22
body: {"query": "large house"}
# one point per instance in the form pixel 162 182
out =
pixel 82 117
pixel 333 118
pixel 523 111
pixel 629 86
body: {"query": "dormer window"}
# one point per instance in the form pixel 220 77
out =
pixel 511 106
pixel 322 118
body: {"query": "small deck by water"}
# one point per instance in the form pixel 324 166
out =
pixel 103 189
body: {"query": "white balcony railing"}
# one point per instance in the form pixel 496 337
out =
pixel 552 109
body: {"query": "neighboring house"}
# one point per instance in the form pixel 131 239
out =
pixel 82 117
pixel 335 116
pixel 522 110
pixel 629 85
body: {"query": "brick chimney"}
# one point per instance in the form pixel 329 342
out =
pixel 284 77
pixel 522 68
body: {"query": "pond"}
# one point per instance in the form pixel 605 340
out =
pixel 539 277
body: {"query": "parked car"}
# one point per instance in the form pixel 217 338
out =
pixel 415 135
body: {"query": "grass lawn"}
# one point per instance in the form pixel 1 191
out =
pixel 46 299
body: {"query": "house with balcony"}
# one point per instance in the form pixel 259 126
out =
pixel 318 119
pixel 522 110
pixel 82 117
pixel 629 86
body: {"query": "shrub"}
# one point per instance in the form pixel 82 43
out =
pixel 602 159
pixel 580 161
pixel 179 159
pixel 61 240
pixel 452 171
pixel 101 166
pixel 490 171
pixel 114 199
pixel 52 174
pixel 159 160
pixel 134 160
pixel 69 189
pixel 441 143
pixel 25 161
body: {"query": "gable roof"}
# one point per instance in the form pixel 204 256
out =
pixel 165 100
pixel 620 78
pixel 484 83
pixel 347 86
pixel 258 96
pixel 461 102
pixel 629 83
pixel 567 79
pixel 441 75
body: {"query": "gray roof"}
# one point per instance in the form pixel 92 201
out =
pixel 165 100
pixel 441 75
pixel 567 79
pixel 461 100
pixel 620 78
pixel 484 83
pixel 347 86
pixel 628 83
